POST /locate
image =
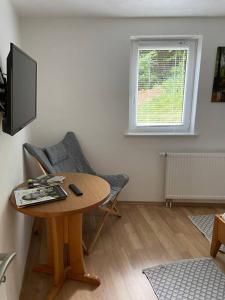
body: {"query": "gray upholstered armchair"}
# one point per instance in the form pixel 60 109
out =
pixel 67 156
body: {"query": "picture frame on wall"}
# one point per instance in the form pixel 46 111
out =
pixel 218 93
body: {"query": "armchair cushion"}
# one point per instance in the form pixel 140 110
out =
pixel 117 182
pixel 56 153
pixel 71 160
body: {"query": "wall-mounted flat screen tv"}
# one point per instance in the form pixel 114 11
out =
pixel 21 91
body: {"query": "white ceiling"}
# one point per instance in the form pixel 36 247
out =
pixel 119 8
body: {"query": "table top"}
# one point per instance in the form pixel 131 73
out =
pixel 95 191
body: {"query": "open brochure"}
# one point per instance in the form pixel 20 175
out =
pixel 45 180
pixel 39 195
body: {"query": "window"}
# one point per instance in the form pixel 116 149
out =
pixel 163 85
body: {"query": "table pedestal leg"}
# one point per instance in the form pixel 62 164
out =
pixel 56 245
pixel 76 259
pixel 61 231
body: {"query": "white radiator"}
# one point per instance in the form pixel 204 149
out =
pixel 195 176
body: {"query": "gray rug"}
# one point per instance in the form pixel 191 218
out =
pixel 204 223
pixel 190 279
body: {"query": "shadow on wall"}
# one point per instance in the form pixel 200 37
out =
pixel 15 224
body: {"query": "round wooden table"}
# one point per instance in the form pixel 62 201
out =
pixel 64 226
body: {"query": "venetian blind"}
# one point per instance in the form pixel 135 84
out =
pixel 161 86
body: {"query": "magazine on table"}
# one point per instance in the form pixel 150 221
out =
pixel 45 180
pixel 39 195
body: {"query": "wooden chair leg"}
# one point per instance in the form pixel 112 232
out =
pixel 111 211
pixel 84 248
pixel 215 243
pixel 99 229
pixel 115 208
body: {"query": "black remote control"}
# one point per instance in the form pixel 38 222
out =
pixel 75 189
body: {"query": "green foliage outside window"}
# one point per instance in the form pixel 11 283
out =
pixel 162 71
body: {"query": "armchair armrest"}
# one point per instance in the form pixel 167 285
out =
pixel 5 260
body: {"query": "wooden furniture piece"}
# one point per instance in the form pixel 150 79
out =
pixel 64 226
pixel 5 260
pixel 67 156
pixel 218 236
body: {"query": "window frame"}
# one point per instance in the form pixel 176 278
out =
pixel 194 45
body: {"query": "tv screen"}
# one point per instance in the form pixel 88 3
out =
pixel 21 91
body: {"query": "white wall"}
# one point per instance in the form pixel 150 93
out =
pixel 83 73
pixel 14 228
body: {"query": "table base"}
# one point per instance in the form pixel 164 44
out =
pixel 60 231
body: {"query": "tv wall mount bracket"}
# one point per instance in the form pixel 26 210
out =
pixel 2 91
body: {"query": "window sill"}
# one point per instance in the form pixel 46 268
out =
pixel 189 134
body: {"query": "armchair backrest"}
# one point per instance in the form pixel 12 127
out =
pixel 66 156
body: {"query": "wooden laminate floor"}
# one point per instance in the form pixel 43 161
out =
pixel 146 235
